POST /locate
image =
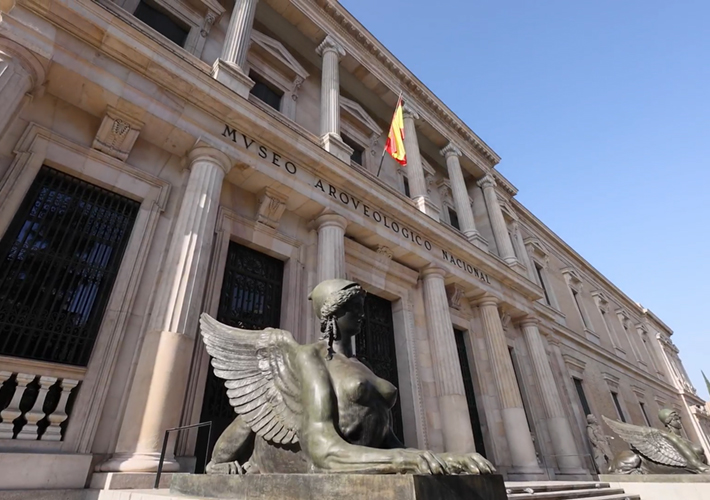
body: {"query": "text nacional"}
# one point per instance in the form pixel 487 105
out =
pixel 253 147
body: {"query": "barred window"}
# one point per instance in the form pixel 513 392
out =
pixel 58 261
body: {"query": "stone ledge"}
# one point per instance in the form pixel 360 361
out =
pixel 656 478
pixel 662 487
pixel 340 486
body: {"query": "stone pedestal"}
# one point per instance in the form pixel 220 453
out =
pixel 340 486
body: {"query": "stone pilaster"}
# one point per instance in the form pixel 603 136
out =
pixel 517 432
pixel 456 421
pixel 331 51
pixel 460 195
pixel 500 230
pixel 229 69
pixel 414 168
pixel 158 387
pixel 20 73
pixel 566 453
pixel 331 246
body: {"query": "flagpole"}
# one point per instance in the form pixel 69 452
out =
pixel 384 149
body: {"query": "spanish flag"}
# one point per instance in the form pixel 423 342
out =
pixel 395 138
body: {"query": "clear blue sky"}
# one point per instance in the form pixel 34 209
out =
pixel 600 110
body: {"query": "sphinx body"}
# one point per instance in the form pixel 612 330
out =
pixel 656 451
pixel 315 407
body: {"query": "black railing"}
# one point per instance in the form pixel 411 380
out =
pixel 165 446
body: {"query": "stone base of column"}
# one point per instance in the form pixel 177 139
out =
pixel 477 240
pixel 516 266
pixel 562 439
pixel 425 205
pixel 522 449
pixel 335 146
pixel 456 424
pixel 138 462
pixel 231 75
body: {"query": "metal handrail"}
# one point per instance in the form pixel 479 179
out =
pixel 165 446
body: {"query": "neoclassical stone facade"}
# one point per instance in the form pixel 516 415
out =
pixel 160 159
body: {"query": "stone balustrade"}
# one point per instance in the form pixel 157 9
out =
pixel 36 399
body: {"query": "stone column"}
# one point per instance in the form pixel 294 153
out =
pixel 455 419
pixel 331 51
pixel 523 252
pixel 160 380
pixel 500 230
pixel 414 168
pixel 566 453
pixel 20 73
pixel 230 68
pixel 331 246
pixel 515 424
pixel 460 194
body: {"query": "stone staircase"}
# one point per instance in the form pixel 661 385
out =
pixel 558 490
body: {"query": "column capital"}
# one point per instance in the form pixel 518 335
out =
pixel 409 112
pixel 209 153
pixel 450 150
pixel 433 270
pixel 487 181
pixel 331 219
pixel 330 44
pixel 485 300
pixel 528 321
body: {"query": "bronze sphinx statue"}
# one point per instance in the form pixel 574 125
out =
pixel 313 408
pixel 655 451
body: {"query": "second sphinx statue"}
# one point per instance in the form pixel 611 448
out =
pixel 313 408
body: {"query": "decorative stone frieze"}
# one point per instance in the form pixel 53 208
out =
pixel 455 293
pixel 272 205
pixel 117 134
pixel 384 253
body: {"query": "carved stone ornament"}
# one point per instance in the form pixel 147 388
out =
pixel 117 134
pixel 455 293
pixel 487 181
pixel 384 253
pixel 445 194
pixel 272 205
pixel 331 44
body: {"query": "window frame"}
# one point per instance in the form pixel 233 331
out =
pixel 40 146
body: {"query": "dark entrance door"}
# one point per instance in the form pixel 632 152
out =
pixel 374 346
pixel 470 393
pixel 250 299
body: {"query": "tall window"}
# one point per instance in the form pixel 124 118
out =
pixel 470 393
pixel 453 218
pixel 358 150
pixel 166 25
pixel 582 396
pixel 538 270
pixel 617 403
pixel 645 415
pixel 405 182
pixel 265 91
pixel 58 261
pixel 579 308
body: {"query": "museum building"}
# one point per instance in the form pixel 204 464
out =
pixel 164 158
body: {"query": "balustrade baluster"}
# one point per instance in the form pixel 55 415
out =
pixel 10 414
pixel 54 431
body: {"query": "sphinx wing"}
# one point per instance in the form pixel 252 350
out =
pixel 649 442
pixel 262 385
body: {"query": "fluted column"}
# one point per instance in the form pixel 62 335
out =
pixel 500 230
pixel 414 168
pixel 20 73
pixel 230 68
pixel 566 453
pixel 331 246
pixel 455 419
pixel 515 424
pixel 158 387
pixel 331 51
pixel 460 194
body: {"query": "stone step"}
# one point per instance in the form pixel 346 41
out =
pixel 596 494
pixel 517 487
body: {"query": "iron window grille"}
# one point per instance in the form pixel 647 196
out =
pixel 58 262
